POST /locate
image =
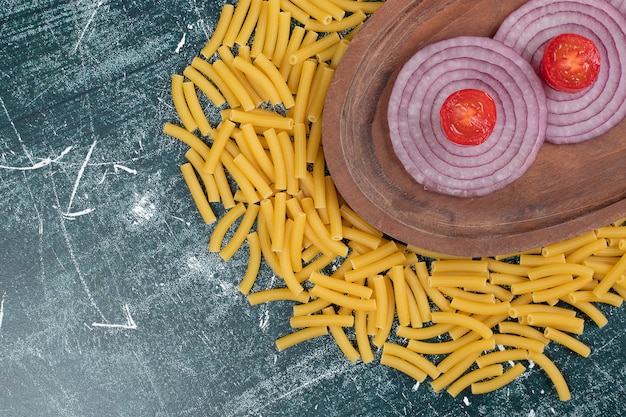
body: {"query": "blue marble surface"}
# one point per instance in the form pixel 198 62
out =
pixel 111 304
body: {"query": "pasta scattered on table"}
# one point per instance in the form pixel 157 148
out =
pixel 268 65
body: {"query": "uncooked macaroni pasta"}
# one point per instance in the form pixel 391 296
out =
pixel 463 324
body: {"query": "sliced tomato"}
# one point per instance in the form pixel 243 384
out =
pixel 570 63
pixel 468 117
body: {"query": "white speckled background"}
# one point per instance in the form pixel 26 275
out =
pixel 111 304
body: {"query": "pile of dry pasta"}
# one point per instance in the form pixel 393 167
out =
pixel 267 68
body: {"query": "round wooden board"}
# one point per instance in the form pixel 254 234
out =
pixel 569 190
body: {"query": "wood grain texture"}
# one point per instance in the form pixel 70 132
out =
pixel 569 190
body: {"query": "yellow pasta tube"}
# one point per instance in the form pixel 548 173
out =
pixel 435 295
pixel 320 262
pixel 474 349
pixel 382 333
pixel 341 339
pixel 611 277
pixel 368 7
pixel 278 231
pixel 319 180
pixel 419 293
pixel 342 320
pixel 261 30
pixel 332 208
pixel 315 139
pixel 468 282
pixel 436 348
pixel 262 120
pixel 553 373
pixel 459 266
pixel 512 327
pixel 342 300
pixel 611 232
pixel 242 93
pixel 224 130
pixel 559 269
pixel 507 268
pixel 587 250
pixel 299 145
pixel 380 252
pixel 300 336
pixel 271 35
pixel 217 237
pixel 357 221
pixel 205 85
pixel 197 193
pixel 265 238
pixel 195 108
pixel 178 97
pixel 424 333
pixel 462 320
pixel 340 51
pixel 278 159
pixel 320 229
pixel 377 267
pixel 210 184
pixel 223 187
pixel 561 290
pixel 341 286
pixel 362 339
pixel 310 50
pixel 474 376
pixel 458 292
pixel 381 300
pixel 249 23
pixel 529 286
pixel 609 298
pixel 480 308
pixel 276 294
pixel 220 31
pixel 295 41
pixel 568 245
pixel 558 321
pixel 257 76
pixel 414 358
pixel 310 307
pixel 314 11
pixel 335 11
pixel 592 312
pixel 403 366
pixel 277 81
pixel 414 311
pixel 208 71
pixel 536 260
pixel 236 22
pixel 400 294
pixel 297 236
pixel 501 356
pixel 254 144
pixel 296 12
pixel 242 181
pixel 338 25
pixel 284 259
pixel 498 381
pixel 240 234
pixel 453 374
pixel 568 341
pixel 254 263
pixel 253 175
pixel 317 97
pixel 282 38
pixel 304 90
pixel 519 342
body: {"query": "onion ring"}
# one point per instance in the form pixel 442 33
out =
pixel 574 118
pixel 422 85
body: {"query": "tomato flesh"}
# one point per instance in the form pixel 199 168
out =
pixel 468 117
pixel 570 63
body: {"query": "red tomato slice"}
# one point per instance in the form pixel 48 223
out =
pixel 468 117
pixel 570 63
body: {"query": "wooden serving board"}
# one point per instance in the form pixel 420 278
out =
pixel 569 190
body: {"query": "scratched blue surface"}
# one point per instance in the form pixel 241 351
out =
pixel 111 304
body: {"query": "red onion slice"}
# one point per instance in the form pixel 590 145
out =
pixel 435 72
pixel 574 118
